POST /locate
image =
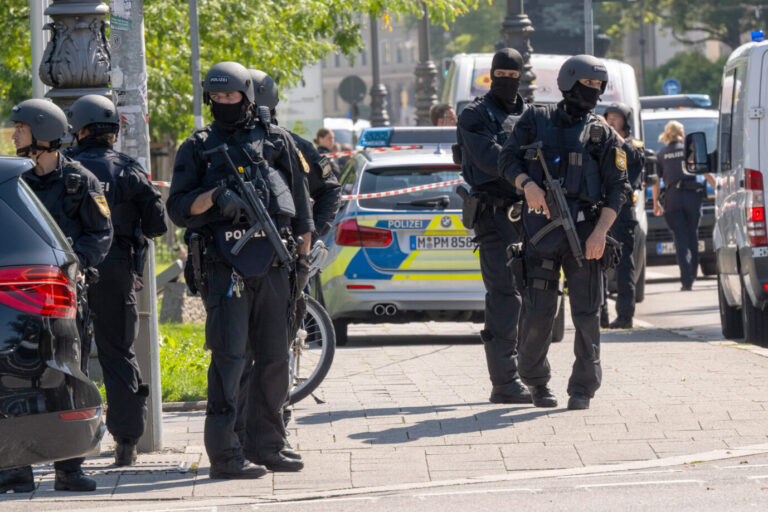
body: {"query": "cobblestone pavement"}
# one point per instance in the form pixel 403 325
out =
pixel 405 404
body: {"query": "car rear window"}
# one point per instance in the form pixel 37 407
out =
pixel 385 179
pixel 655 127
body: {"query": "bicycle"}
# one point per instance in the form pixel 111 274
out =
pixel 314 345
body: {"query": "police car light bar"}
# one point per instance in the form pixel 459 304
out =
pixel 407 135
pixel 676 101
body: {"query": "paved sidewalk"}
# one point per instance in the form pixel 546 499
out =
pixel 399 412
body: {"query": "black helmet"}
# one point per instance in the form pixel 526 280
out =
pixel 93 109
pixel 264 89
pixel 45 119
pixel 624 110
pixel 227 77
pixel 581 66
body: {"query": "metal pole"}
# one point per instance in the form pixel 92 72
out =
pixel 39 41
pixel 516 32
pixel 589 29
pixel 642 49
pixel 426 75
pixel 379 115
pixel 197 89
pixel 129 84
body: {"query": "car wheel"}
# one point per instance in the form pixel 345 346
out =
pixel 730 316
pixel 640 287
pixel 558 328
pixel 709 268
pixel 340 327
pixel 755 320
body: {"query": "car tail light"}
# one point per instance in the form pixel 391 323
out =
pixel 85 414
pixel 360 287
pixel 350 233
pixel 40 290
pixel 755 205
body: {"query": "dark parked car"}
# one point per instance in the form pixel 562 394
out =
pixel 49 409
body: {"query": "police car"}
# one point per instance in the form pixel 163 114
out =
pixel 693 112
pixel 399 251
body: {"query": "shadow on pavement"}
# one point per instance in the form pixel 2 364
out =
pixel 411 339
pixel 325 417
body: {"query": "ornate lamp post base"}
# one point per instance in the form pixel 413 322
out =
pixel 516 31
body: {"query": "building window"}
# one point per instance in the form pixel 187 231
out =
pixel 364 57
pixel 399 54
pixel 336 99
pixel 386 54
pixel 337 62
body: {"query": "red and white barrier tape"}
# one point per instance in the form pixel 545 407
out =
pixel 373 150
pixel 402 190
pixel 161 183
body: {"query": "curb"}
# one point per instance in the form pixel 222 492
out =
pixel 185 406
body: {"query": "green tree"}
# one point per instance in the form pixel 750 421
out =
pixel 694 71
pixel 277 36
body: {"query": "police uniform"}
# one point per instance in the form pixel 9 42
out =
pixel 75 199
pixel 623 230
pixel 335 168
pixel 324 187
pixel 483 127
pixel 137 212
pixel 247 298
pixel 683 196
pixel 592 174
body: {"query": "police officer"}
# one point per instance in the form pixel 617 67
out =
pixel 619 117
pixel 137 213
pixel 248 296
pixel 586 156
pixel 75 200
pixel 683 196
pixel 483 127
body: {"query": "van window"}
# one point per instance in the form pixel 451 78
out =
pixel 726 104
pixel 738 116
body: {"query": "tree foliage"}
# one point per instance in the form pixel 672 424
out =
pixel 695 72
pixel 277 36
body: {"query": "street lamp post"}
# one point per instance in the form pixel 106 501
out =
pixel 379 115
pixel 426 75
pixel 516 31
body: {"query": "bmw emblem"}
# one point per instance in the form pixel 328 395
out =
pixel 445 221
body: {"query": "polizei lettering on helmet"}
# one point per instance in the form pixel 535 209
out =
pixel 237 234
pixel 218 80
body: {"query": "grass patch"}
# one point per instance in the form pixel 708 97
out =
pixel 183 362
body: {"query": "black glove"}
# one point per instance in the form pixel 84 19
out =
pixel 230 204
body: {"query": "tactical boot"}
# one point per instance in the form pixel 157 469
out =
pixel 578 401
pixel 236 469
pixel 17 480
pixel 542 396
pixel 513 393
pixel 73 481
pixel 604 318
pixel 277 462
pixel 622 322
pixel 290 453
pixel 125 454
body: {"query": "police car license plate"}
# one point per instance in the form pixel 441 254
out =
pixel 441 242
pixel 669 247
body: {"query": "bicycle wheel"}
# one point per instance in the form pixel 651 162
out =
pixel 311 357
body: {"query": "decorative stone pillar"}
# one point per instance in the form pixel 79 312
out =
pixel 426 75
pixel 379 115
pixel 76 59
pixel 516 31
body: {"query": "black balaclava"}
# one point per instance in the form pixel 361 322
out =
pixel 581 99
pixel 229 115
pixel 504 89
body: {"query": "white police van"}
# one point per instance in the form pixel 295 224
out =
pixel 741 166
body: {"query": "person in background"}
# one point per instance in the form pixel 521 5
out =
pixel 443 114
pixel 325 142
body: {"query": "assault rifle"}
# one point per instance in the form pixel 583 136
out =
pixel 258 216
pixel 559 213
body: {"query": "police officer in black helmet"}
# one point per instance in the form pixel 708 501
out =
pixel 619 117
pixel 248 296
pixel 75 200
pixel 483 127
pixel 585 154
pixel 137 213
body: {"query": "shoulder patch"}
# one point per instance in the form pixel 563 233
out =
pixel 101 203
pixel 637 143
pixel 621 160
pixel 325 165
pixel 304 164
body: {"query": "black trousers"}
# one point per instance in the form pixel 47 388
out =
pixel 503 301
pixel 249 331
pixel 116 326
pixel 682 211
pixel 585 290
pixel 623 230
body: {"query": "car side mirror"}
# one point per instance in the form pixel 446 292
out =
pixel 696 160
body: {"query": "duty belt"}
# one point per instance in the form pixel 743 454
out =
pixel 494 200
pixel 688 185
